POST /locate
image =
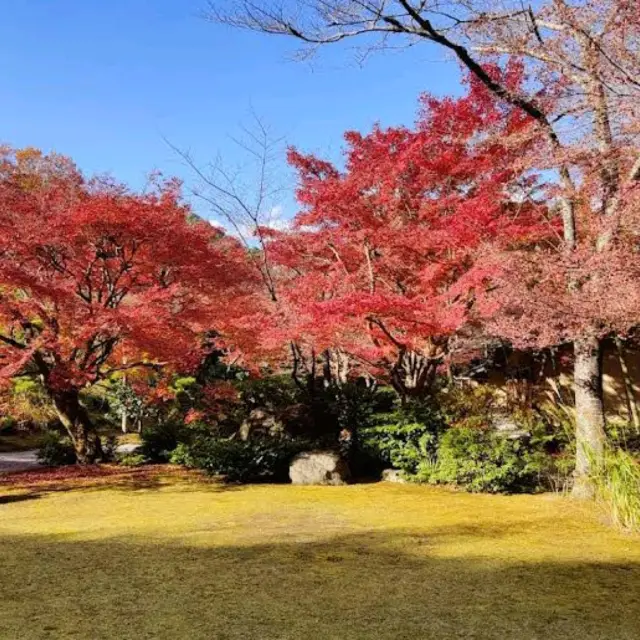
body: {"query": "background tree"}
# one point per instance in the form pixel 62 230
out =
pixel 247 199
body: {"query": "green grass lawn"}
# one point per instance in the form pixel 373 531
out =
pixel 188 559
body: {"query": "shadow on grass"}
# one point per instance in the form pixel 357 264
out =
pixel 22 497
pixel 369 585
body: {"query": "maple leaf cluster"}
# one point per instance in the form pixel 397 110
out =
pixel 389 254
pixel 95 278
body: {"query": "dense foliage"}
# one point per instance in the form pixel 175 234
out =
pixel 262 460
pixel 481 460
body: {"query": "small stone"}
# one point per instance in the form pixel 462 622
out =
pixel 393 475
pixel 508 427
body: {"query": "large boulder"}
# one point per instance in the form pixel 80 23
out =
pixel 319 467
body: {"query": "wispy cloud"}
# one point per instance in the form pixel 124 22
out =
pixel 275 219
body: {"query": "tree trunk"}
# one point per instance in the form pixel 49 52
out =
pixel 590 419
pixel 303 371
pixel 335 368
pixel 76 421
pixel 632 405
pixel 413 375
pixel 125 416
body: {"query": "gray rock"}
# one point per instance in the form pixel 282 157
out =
pixel 393 475
pixel 507 426
pixel 319 467
pixel 259 422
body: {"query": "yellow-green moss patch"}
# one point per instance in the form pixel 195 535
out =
pixel 202 560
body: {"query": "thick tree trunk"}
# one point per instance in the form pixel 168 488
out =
pixel 76 421
pixel 125 417
pixel 590 419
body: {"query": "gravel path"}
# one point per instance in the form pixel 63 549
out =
pixel 25 460
pixel 18 460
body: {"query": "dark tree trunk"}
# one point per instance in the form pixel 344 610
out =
pixel 76 421
pixel 590 419
pixel 413 374
pixel 304 370
pixel 632 406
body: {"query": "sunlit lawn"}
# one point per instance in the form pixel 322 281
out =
pixel 181 558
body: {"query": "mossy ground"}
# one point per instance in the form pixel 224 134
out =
pixel 176 557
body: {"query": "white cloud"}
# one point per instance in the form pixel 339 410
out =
pixel 275 219
pixel 272 219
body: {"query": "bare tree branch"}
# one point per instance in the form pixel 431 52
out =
pixel 247 210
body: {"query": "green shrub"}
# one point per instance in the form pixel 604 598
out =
pixel 623 435
pixel 354 406
pixel 404 439
pixel 56 450
pixel 482 460
pixel 160 439
pixel 182 455
pixel 240 461
pixel 399 445
pixel 469 406
pixel 131 459
pixel 549 451
pixel 555 472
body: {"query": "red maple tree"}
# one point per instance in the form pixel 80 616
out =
pixel 95 279
pixel 388 255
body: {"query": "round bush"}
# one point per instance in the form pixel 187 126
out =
pixel 56 450
pixel 481 460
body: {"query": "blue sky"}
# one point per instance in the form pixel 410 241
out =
pixel 104 82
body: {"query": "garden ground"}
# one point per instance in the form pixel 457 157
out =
pixel 142 554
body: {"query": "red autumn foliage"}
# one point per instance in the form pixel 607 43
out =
pixel 388 254
pixel 93 476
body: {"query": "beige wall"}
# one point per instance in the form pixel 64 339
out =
pixel 555 377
